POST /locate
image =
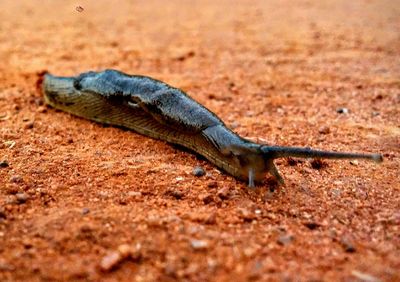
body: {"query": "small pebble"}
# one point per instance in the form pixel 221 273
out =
pixel 211 219
pixel 312 225
pixel 175 194
pixel 42 109
pixel 134 194
pixel 336 192
pixel 306 170
pixel 285 239
pixel 79 9
pixel 4 266
pixel 365 276
pixel 347 245
pixel 212 184
pixel 354 162
pixel 16 179
pixel 10 200
pixel 9 144
pixel 318 164
pixel 2 213
pixel 154 221
pixel 125 250
pixel 293 162
pixel 29 125
pixel 324 130
pixel 103 194
pixel 110 261
pixel 223 193
pixel 21 197
pixel 39 101
pixel 234 125
pixel 122 201
pixel 3 164
pixel 198 171
pixel 247 215
pixel 342 110
pixel 208 198
pixel 85 210
pixel 182 55
pixel 199 244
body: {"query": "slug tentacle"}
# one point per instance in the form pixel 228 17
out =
pixel 282 152
pixel 158 110
pixel 251 178
pixel 275 173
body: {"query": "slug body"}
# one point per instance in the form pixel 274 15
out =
pixel 155 109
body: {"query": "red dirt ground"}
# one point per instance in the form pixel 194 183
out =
pixel 80 201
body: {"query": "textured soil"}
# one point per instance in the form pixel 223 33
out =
pixel 82 201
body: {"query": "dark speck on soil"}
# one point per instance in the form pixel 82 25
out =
pixel 198 171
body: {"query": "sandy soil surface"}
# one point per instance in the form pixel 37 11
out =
pixel 81 201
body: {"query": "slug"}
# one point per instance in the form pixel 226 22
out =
pixel 158 110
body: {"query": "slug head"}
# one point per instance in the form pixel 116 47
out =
pixel 65 93
pixel 60 92
pixel 253 163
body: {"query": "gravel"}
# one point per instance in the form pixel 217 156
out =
pixel 85 211
pixel 199 244
pixel 285 239
pixel 342 110
pixel 198 171
pixel 22 198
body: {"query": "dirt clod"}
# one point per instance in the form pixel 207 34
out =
pixel 5 266
pixel 247 215
pixel 22 197
pixel 223 193
pixel 285 239
pixel 211 219
pixel 175 194
pixel 10 200
pixel 29 125
pixel 212 184
pixel 324 129
pixel 293 162
pixel 16 179
pixel 3 214
pixel 318 164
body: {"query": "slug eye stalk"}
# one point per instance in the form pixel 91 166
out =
pixel 274 152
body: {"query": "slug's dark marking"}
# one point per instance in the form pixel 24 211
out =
pixel 153 108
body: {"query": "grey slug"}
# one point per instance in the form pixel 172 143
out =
pixel 155 109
